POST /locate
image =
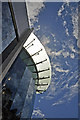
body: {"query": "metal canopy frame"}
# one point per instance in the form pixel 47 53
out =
pixel 35 50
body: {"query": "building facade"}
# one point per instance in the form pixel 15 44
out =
pixel 18 86
pixel 24 64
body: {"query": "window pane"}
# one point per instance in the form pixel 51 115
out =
pixel 18 91
pixel 8 32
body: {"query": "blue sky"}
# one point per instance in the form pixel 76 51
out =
pixel 56 27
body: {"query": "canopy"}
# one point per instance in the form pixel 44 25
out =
pixel 41 62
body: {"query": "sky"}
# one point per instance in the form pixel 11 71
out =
pixel 56 26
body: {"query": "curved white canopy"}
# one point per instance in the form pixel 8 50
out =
pixel 41 61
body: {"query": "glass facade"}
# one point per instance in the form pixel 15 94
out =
pixel 18 91
pixel 18 86
pixel 25 71
pixel 8 32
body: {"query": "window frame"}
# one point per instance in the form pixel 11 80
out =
pixel 8 56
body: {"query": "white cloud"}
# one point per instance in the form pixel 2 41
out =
pixel 45 40
pixel 53 35
pixel 61 10
pixel 75 26
pixel 58 103
pixel 67 31
pixel 66 28
pixel 78 43
pixel 75 23
pixel 73 90
pixel 60 13
pixel 61 70
pixel 65 54
pixel 34 9
pixel 58 53
pixel 58 87
pixel 64 23
pixel 73 49
pixel 74 16
pixel 57 84
pixel 38 113
pixel 72 55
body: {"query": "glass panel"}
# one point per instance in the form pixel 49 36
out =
pixel 29 101
pixel 8 32
pixel 18 91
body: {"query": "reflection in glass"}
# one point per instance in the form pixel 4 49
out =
pixel 18 91
pixel 8 32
